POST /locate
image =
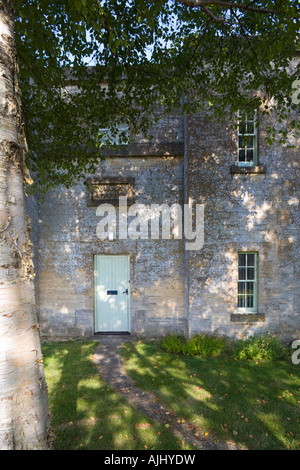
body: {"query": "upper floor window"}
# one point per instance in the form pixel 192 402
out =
pixel 119 137
pixel 247 138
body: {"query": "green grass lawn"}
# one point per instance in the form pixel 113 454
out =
pixel 254 404
pixel 87 414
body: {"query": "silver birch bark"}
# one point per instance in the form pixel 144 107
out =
pixel 24 417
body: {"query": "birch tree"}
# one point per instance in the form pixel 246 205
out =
pixel 24 421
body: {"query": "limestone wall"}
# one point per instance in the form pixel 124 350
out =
pixel 172 289
pixel 68 242
pixel 243 212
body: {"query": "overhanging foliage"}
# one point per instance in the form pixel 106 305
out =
pixel 148 53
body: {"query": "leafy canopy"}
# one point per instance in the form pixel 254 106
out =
pixel 152 55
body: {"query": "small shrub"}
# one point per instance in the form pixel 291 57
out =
pixel 198 345
pixel 259 348
pixel 204 345
pixel 173 344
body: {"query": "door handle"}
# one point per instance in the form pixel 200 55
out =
pixel 125 292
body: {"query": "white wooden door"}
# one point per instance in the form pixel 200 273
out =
pixel 112 293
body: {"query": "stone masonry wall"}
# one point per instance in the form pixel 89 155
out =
pixel 243 212
pixel 174 290
pixel 68 242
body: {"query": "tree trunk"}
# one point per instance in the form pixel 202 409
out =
pixel 24 417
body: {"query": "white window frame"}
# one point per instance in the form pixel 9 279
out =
pixel 116 139
pixel 243 118
pixel 246 281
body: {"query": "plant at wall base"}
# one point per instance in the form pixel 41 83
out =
pixel 198 345
pixel 264 347
pixel 173 344
pixel 205 346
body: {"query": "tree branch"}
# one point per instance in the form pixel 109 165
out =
pixel 218 19
pixel 230 5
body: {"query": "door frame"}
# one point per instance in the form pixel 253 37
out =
pixel 128 295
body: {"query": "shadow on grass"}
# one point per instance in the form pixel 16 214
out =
pixel 253 404
pixel 86 413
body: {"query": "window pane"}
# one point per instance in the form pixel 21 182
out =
pixel 242 274
pixel 242 127
pixel 241 142
pixel 250 127
pixel 241 301
pixel 250 288
pixel 249 155
pixel 249 141
pixel 241 155
pixel 250 259
pixel 249 302
pixel 250 274
pixel 251 115
pixel 242 287
pixel 242 259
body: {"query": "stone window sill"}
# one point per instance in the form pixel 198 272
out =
pixel 247 170
pixel 247 317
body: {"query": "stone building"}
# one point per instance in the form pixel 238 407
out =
pixel 243 277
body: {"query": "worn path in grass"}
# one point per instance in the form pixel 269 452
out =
pixel 108 363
